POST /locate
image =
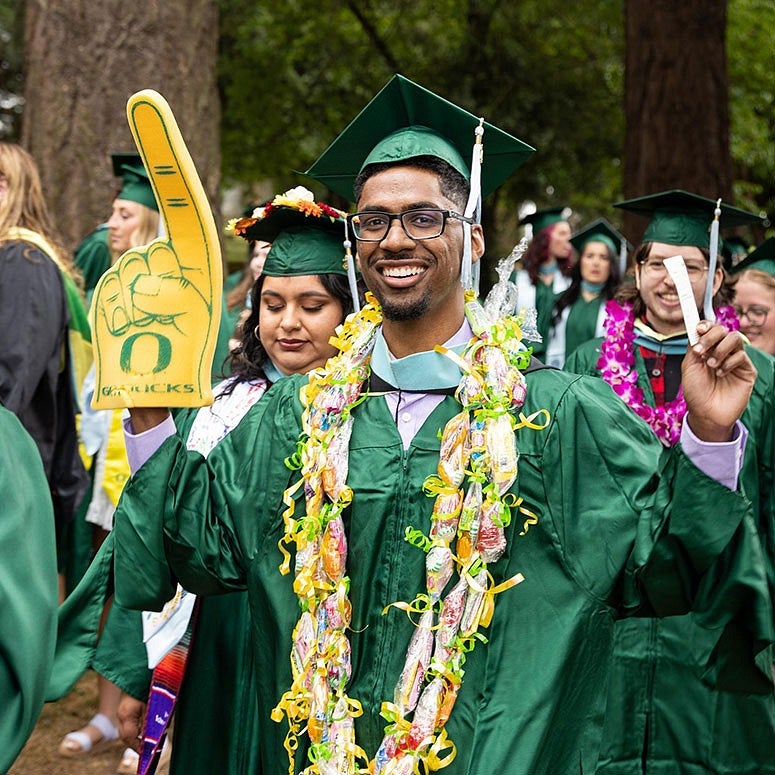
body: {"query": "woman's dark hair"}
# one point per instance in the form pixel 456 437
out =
pixel 538 252
pixel 628 292
pixel 573 291
pixel 246 361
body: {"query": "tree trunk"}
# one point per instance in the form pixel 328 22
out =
pixel 676 101
pixel 83 61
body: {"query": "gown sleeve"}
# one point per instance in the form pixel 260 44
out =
pixel 646 530
pixel 28 587
pixel 183 518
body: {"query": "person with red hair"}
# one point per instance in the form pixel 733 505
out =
pixel 545 268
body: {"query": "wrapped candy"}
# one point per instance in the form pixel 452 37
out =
pixel 385 753
pixel 439 566
pixel 306 552
pixel 471 391
pixel 447 703
pixel 472 611
pixel 477 439
pixel 333 549
pixel 340 391
pixel 341 733
pixel 318 723
pixel 496 369
pixel 447 506
pixel 336 610
pixel 491 542
pixel 468 527
pixel 518 391
pixel 418 657
pixel 449 619
pixel 313 492
pixel 426 714
pixel 336 647
pixel 335 468
pixel 309 570
pixel 472 503
pixel 502 449
pixel 452 461
pixel 303 640
pixel 444 529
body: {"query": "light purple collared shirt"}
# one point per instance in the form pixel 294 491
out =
pixel 719 461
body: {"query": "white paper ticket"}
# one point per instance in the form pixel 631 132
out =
pixel 683 286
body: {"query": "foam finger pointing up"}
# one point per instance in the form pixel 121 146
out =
pixel 183 204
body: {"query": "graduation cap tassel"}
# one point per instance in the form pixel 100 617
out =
pixel 350 260
pixel 707 307
pixel 473 207
pixel 623 257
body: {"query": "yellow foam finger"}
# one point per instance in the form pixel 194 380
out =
pixel 155 314
pixel 183 203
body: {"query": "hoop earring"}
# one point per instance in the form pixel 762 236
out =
pixel 255 333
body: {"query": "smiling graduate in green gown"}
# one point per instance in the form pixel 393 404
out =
pixel 601 521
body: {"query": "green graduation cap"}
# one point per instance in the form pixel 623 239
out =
pixel 681 218
pixel 599 231
pixel 763 259
pixel 404 121
pixel 541 219
pixel 136 187
pixel 306 236
pixel 303 250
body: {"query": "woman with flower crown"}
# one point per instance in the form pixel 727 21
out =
pixel 301 296
pixel 661 716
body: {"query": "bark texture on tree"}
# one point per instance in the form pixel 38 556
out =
pixel 83 60
pixel 676 100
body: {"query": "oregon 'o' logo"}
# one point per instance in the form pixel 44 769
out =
pixel 146 353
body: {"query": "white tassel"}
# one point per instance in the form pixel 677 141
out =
pixel 623 257
pixel 473 208
pixel 350 259
pixel 708 302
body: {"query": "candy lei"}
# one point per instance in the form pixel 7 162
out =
pixel 617 367
pixel 467 533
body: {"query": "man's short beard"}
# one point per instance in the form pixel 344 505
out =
pixel 411 311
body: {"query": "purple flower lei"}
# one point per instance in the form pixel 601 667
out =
pixel 617 366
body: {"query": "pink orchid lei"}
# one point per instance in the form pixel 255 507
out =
pixel 617 366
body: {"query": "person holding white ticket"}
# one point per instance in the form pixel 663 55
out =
pixel 661 717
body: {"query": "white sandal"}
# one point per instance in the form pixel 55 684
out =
pixel 79 743
pixel 129 761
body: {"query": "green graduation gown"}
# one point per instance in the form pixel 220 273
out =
pixel 93 257
pixel 28 586
pixel 577 324
pixel 218 690
pixel 661 717
pixel 621 529
pixel 581 324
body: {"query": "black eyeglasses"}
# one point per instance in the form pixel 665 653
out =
pixel 756 315
pixel 417 224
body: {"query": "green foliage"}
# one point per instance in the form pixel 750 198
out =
pixel 11 57
pixel 751 57
pixel 293 74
